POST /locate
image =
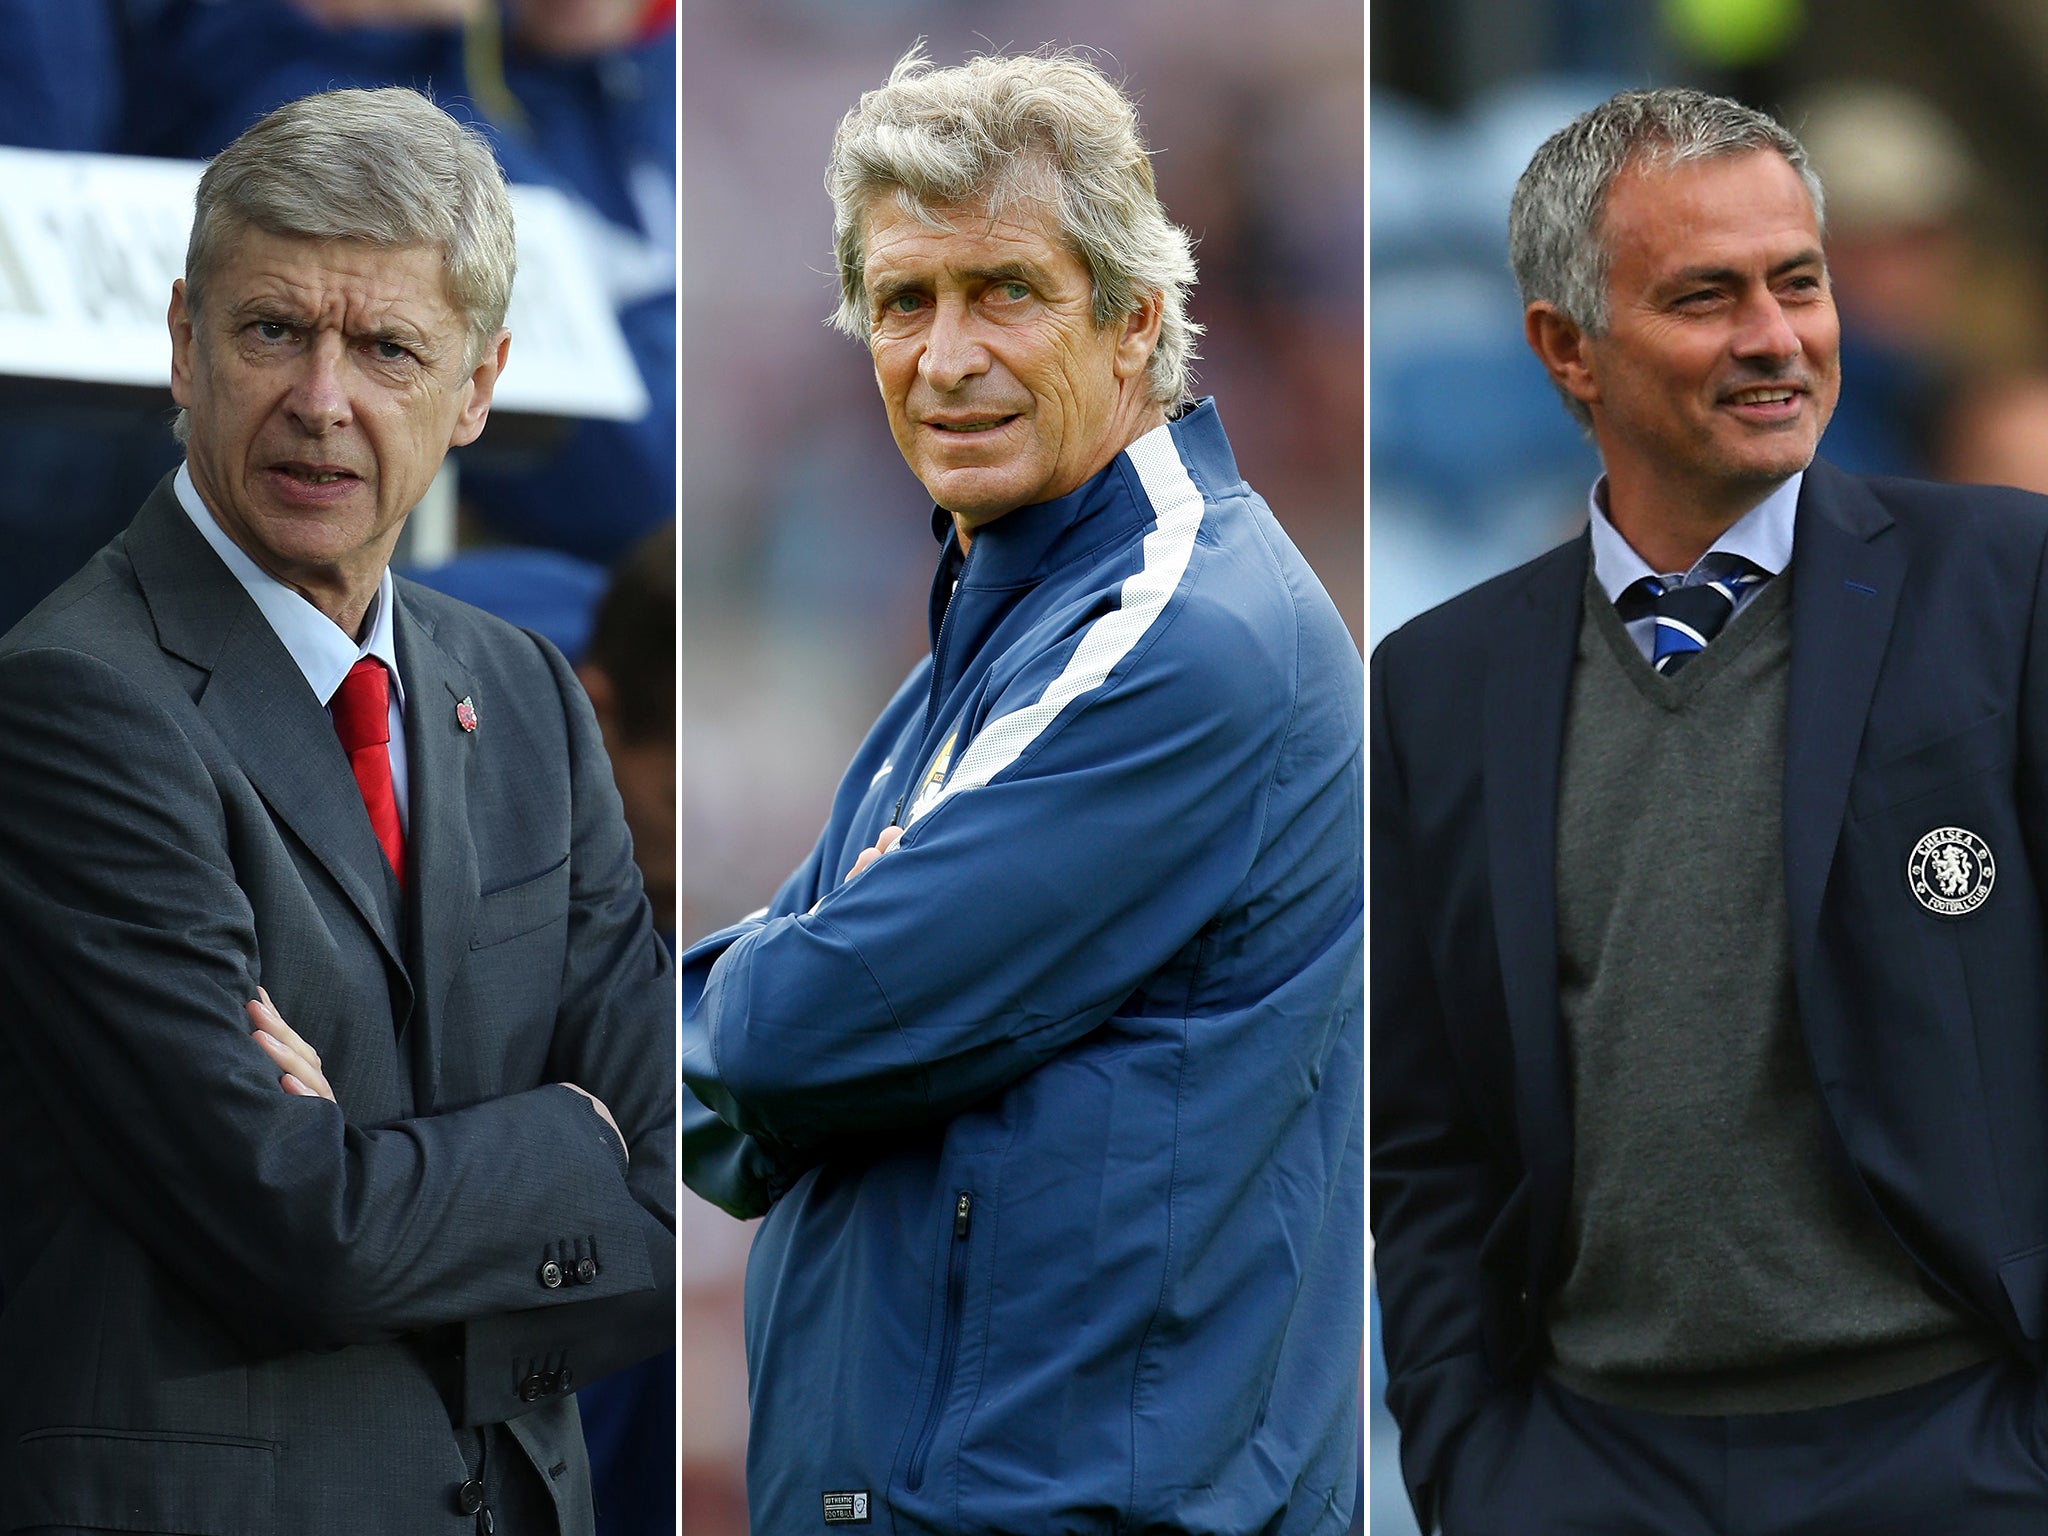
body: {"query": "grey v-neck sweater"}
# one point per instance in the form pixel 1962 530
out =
pixel 1718 1258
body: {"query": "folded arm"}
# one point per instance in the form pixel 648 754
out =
pixel 1011 920
pixel 133 955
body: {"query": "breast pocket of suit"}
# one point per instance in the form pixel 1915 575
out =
pixel 517 944
pixel 521 907
pixel 1948 762
pixel 84 1479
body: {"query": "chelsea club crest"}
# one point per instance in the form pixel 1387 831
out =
pixel 1951 871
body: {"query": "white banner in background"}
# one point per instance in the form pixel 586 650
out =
pixel 90 244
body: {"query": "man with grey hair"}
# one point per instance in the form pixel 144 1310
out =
pixel 1710 1155
pixel 1048 1058
pixel 336 1107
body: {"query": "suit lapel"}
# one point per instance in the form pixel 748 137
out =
pixel 442 855
pixel 257 700
pixel 1846 581
pixel 1528 685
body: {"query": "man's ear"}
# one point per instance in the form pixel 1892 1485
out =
pixel 1138 335
pixel 179 319
pixel 1564 350
pixel 482 380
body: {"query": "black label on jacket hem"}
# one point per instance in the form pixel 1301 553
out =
pixel 849 1508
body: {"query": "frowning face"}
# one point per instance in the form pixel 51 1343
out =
pixel 324 382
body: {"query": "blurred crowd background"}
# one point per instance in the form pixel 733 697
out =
pixel 807 547
pixel 1926 124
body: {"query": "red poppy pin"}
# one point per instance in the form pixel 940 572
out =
pixel 465 713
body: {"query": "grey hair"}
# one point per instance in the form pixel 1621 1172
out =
pixel 382 168
pixel 998 131
pixel 1555 241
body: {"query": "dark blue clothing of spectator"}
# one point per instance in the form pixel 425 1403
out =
pixel 60 75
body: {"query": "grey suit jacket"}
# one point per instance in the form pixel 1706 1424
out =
pixel 227 1309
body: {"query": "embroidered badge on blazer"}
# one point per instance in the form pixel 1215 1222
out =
pixel 1951 871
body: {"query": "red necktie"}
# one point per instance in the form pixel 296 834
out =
pixel 362 719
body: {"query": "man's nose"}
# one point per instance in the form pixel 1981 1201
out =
pixel 1766 331
pixel 319 395
pixel 952 352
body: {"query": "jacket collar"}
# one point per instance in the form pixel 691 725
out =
pixel 1846 579
pixel 260 704
pixel 442 889
pixel 1527 691
pixel 1022 547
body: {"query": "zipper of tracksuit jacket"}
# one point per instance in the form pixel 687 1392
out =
pixel 949 1339
pixel 931 708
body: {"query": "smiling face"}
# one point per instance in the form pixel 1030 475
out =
pixel 1002 391
pixel 324 382
pixel 1719 367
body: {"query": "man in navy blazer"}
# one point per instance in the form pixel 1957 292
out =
pixel 1710 991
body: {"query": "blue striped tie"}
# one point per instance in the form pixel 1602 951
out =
pixel 1690 615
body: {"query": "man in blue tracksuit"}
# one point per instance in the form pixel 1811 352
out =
pixel 1046 1064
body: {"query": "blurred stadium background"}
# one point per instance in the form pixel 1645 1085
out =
pixel 1926 124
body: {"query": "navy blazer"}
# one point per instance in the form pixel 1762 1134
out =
pixel 1918 700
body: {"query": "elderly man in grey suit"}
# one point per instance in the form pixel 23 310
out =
pixel 340 1273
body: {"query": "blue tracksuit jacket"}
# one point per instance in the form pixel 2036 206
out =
pixel 1058 1106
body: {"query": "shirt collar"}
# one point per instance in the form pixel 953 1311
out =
pixel 322 651
pixel 1762 535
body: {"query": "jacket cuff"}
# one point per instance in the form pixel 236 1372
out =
pixel 1433 1406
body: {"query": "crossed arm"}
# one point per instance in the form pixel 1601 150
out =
pixel 131 959
pixel 958 956
pixel 300 1071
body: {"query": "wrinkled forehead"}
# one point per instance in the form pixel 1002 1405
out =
pixel 413 273
pixel 349 284
pixel 1682 209
pixel 895 226
pixel 1661 174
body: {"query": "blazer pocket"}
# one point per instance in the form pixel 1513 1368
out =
pixel 1979 747
pixel 133 1480
pixel 520 908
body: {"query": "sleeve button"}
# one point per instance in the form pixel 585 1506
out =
pixel 529 1389
pixel 551 1275
pixel 586 1271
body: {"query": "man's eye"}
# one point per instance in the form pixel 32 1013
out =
pixel 901 304
pixel 1014 292
pixel 389 352
pixel 272 330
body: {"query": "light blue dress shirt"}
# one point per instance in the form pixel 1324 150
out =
pixel 323 650
pixel 1762 536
